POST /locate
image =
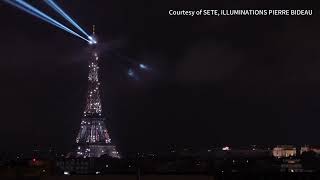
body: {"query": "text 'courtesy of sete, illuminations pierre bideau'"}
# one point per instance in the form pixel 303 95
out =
pixel 242 12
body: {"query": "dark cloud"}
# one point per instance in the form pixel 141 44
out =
pixel 208 62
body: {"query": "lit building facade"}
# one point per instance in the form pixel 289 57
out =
pixel 284 151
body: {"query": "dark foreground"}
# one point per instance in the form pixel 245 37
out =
pixel 233 176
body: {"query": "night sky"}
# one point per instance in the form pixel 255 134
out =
pixel 214 80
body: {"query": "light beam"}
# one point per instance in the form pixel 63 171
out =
pixel 24 6
pixel 53 5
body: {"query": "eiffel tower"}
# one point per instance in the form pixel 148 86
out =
pixel 93 139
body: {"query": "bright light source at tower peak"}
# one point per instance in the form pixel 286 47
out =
pixel 92 40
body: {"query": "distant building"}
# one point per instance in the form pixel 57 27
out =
pixel 246 152
pixel 308 149
pixel 284 151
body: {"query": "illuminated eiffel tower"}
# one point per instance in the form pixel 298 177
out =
pixel 93 139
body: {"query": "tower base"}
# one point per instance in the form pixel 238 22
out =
pixel 97 151
pixel 93 139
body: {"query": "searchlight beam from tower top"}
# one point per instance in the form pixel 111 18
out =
pixel 28 8
pixel 59 10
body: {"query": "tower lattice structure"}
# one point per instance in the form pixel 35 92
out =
pixel 93 139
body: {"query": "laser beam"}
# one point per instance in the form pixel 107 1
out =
pixel 24 6
pixel 49 19
pixel 53 5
